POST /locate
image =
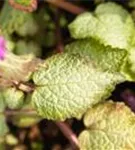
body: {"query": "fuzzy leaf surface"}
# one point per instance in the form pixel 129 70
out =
pixel 113 129
pixel 67 85
pixel 105 57
pixel 110 24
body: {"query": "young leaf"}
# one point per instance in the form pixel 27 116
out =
pixel 14 98
pixel 67 85
pixel 110 127
pixel 110 24
pixel 106 58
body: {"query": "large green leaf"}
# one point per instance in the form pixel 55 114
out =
pixel 111 126
pixel 110 24
pixel 105 57
pixel 67 85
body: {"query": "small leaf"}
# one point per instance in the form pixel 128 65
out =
pixel 106 58
pixel 110 127
pixel 67 85
pixel 14 98
pixel 110 24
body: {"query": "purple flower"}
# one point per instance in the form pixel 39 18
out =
pixel 2 47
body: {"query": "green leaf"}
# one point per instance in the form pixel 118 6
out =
pixel 67 85
pixel 110 24
pixel 110 127
pixel 106 58
pixel 14 98
pixel 129 67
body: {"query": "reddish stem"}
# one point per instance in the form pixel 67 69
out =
pixel 67 6
pixel 60 46
pixel 68 133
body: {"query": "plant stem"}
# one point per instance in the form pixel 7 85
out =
pixel 60 46
pixel 20 112
pixel 26 88
pixel 67 6
pixel 68 133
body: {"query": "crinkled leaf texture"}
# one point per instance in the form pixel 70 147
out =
pixel 110 24
pixel 105 57
pixel 129 67
pixel 67 85
pixel 111 126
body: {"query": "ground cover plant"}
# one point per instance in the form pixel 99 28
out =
pixel 67 72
